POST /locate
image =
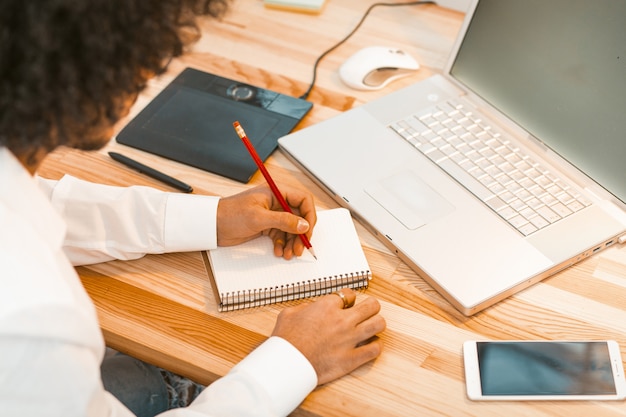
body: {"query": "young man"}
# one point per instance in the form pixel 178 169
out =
pixel 69 70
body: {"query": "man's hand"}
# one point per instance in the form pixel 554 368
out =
pixel 256 212
pixel 335 340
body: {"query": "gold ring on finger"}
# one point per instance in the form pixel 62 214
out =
pixel 346 303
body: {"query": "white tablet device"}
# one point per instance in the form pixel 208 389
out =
pixel 544 370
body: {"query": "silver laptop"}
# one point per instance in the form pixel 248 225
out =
pixel 503 170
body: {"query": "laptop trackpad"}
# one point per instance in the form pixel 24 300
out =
pixel 409 199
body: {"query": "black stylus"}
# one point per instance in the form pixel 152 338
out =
pixel 151 172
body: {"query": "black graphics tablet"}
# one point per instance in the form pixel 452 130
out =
pixel 191 121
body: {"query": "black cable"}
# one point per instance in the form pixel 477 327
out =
pixel 319 59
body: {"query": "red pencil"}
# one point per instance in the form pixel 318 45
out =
pixel 269 180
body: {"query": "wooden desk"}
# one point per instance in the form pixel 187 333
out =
pixel 161 308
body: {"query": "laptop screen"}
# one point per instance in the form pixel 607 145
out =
pixel 558 69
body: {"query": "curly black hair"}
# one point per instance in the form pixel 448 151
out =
pixel 67 67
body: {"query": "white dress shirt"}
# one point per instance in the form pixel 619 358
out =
pixel 51 346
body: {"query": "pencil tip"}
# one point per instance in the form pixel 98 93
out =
pixel 313 253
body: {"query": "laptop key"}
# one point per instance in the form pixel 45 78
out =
pixel 465 179
pixel 548 214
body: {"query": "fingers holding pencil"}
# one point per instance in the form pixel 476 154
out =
pixel 279 196
pixel 302 205
pixel 285 234
pixel 255 212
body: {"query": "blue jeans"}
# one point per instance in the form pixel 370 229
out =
pixel 146 389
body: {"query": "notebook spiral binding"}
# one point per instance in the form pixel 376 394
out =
pixel 311 288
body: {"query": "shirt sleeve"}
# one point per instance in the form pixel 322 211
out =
pixel 270 382
pixel 61 378
pixel 106 222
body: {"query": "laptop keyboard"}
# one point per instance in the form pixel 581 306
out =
pixel 516 187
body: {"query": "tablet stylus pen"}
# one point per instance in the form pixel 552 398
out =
pixel 268 178
pixel 151 172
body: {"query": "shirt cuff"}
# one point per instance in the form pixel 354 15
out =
pixel 190 223
pixel 287 376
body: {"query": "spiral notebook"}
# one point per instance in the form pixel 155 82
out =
pixel 250 275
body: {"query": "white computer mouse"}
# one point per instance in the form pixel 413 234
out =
pixel 374 67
